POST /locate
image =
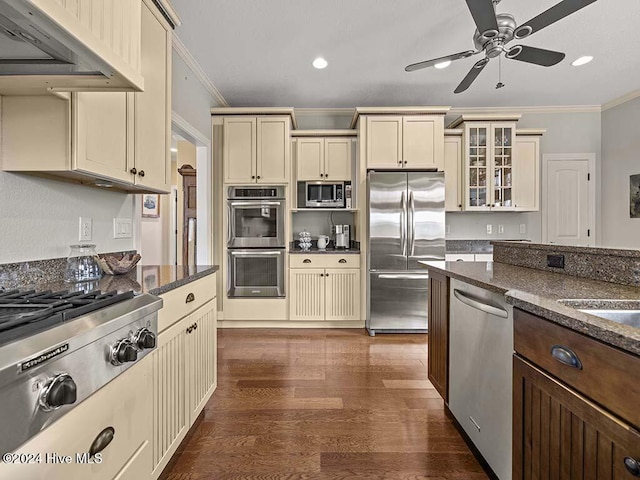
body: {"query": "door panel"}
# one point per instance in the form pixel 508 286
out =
pixel 426 221
pixel 398 301
pixel 387 220
pixel 273 140
pixel 239 149
pixel 337 163
pixel 310 158
pixel 568 202
pixel 342 287
pixel 307 294
pixel 384 142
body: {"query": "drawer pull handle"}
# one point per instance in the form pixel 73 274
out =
pixel 102 441
pixel 190 298
pixel 342 260
pixel 306 260
pixel 566 356
pixel 633 466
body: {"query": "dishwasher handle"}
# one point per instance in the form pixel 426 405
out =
pixel 484 307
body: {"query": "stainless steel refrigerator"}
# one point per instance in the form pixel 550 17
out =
pixel 406 224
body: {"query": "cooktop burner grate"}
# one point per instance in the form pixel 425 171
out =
pixel 23 313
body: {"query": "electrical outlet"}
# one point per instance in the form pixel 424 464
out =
pixel 86 228
pixel 500 228
pixel 448 229
pixel 489 229
pixel 122 228
pixel 523 228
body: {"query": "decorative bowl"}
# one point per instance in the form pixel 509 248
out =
pixel 118 264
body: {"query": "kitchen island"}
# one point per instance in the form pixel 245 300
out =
pixel 574 373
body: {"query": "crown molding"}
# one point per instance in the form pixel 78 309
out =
pixel 315 112
pixel 195 67
pixel 523 109
pixel 620 100
pixel 169 12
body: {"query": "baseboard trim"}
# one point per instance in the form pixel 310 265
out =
pixel 476 453
pixel 288 324
pixel 174 458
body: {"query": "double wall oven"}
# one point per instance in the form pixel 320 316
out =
pixel 256 241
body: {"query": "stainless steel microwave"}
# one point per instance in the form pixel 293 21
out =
pixel 323 194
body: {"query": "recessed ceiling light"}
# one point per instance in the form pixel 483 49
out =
pixel 320 63
pixel 174 150
pixel 582 61
pixel 442 65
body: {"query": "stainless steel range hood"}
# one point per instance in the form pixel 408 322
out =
pixel 38 52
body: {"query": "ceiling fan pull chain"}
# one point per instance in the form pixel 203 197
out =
pixel 499 84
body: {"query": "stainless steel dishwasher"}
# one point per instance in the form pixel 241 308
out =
pixel 480 371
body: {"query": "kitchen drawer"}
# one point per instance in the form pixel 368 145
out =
pixel 608 376
pixel 324 261
pixel 181 301
pixel 123 404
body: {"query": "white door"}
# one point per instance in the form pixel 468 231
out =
pixel 568 203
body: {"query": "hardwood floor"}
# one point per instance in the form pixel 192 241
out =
pixel 323 404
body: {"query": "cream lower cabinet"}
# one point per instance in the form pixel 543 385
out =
pixel 98 137
pixel 184 371
pixel 123 404
pixel 324 294
pixel 256 149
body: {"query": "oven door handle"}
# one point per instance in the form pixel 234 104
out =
pixel 260 253
pixel 255 204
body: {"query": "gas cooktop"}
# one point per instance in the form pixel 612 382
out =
pixel 26 312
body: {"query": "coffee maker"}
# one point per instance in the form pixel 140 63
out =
pixel 343 237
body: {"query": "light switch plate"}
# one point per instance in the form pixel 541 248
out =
pixel 489 229
pixel 122 228
pixel 86 229
pixel 500 228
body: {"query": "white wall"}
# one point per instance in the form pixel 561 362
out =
pixel 620 159
pixel 39 217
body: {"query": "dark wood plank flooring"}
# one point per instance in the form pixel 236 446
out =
pixel 323 404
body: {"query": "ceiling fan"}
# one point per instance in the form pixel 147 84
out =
pixel 496 30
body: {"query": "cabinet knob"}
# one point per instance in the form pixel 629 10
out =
pixel 632 465
pixel 399 162
pixel 258 177
pixel 141 173
pixel 326 274
pixel 133 170
pixel 405 162
pixel 322 274
pixel 253 177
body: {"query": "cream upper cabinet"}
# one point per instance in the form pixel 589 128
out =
pixel 413 141
pixel 256 149
pixel 98 137
pixel 452 173
pixel 323 158
pixel 324 289
pixel 526 173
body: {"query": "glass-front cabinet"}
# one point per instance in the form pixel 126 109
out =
pixel 488 166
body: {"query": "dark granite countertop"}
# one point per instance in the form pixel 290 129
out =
pixel 152 279
pixel 337 251
pixel 538 292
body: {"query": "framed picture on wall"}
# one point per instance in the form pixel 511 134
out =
pixel 151 205
pixel 634 196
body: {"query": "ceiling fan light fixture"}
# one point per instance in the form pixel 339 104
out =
pixel 320 63
pixel 442 65
pixel 582 61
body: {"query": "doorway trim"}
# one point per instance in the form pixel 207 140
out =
pixel 591 159
pixel 204 200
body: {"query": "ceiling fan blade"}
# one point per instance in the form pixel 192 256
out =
pixel 483 14
pixel 546 18
pixel 538 56
pixel 472 75
pixel 429 63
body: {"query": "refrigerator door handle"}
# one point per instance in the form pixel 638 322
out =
pixel 403 223
pixel 412 210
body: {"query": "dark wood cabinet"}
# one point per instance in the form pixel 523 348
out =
pixel 438 322
pixel 561 434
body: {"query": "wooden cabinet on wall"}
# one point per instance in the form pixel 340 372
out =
pixel 183 365
pixel 256 149
pixel 570 418
pixel 100 137
pixel 410 141
pixel 438 323
pixel 324 287
pixel 321 159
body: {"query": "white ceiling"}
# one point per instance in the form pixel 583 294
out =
pixel 259 52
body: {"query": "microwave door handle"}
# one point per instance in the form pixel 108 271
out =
pixel 403 223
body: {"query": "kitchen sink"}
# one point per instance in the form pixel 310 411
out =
pixel 627 317
pixel 626 312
